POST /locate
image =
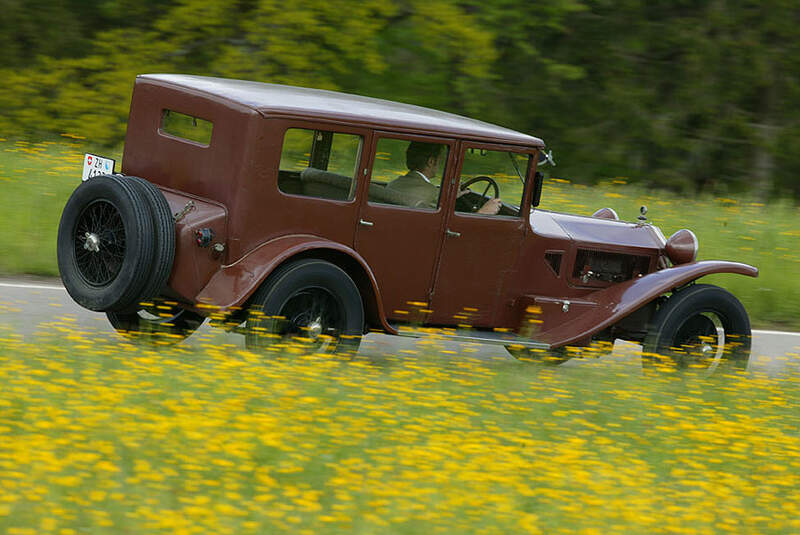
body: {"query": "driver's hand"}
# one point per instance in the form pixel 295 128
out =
pixel 491 207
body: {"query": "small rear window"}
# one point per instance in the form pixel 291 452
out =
pixel 186 127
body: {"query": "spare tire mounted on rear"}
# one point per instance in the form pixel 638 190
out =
pixel 116 243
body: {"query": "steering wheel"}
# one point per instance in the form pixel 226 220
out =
pixel 490 183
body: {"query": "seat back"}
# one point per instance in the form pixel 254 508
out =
pixel 380 193
pixel 319 183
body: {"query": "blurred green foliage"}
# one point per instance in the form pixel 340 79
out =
pixel 689 96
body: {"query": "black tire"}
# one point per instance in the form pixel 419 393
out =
pixel 310 305
pixel 164 229
pixel 685 331
pixel 106 243
pixel 159 323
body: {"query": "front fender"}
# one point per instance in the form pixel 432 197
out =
pixel 610 305
pixel 233 284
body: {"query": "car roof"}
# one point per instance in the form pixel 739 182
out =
pixel 319 103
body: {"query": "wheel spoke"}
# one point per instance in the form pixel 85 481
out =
pixel 101 264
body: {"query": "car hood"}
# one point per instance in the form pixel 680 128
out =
pixel 605 233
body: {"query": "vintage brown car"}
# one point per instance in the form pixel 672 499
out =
pixel 317 216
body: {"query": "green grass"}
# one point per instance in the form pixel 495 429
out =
pixel 99 436
pixel 36 180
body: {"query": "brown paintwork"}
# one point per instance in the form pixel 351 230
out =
pixel 402 243
pixel 491 276
pixel 233 284
pixel 606 307
pixel 194 265
pixel 681 247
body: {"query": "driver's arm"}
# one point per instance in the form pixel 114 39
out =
pixel 491 207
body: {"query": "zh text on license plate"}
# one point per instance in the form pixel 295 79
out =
pixel 94 165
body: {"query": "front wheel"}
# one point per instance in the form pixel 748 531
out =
pixel 307 306
pixel 702 326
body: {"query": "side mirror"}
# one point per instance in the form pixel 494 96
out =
pixel 546 157
pixel 538 180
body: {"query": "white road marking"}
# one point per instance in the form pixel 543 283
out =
pixel 31 286
pixel 781 333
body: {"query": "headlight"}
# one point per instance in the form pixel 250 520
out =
pixel 682 247
pixel 606 213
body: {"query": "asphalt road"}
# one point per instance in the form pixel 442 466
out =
pixel 26 306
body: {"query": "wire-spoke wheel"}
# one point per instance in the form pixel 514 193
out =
pixel 106 244
pixel 307 306
pixel 99 243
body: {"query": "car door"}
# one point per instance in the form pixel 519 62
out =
pixel 399 233
pixel 477 274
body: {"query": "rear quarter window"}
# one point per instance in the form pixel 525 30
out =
pixel 186 127
pixel 319 163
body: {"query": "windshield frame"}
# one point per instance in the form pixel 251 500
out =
pixel 532 153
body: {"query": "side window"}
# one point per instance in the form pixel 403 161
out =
pixel 319 163
pixel 486 174
pixel 407 173
pixel 186 127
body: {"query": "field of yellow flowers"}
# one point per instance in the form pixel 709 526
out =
pixel 101 436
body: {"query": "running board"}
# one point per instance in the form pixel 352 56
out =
pixel 480 337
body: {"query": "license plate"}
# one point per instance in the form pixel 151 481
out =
pixel 94 165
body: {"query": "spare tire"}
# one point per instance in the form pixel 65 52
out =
pixel 106 243
pixel 164 229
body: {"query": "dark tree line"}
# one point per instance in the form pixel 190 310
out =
pixel 686 95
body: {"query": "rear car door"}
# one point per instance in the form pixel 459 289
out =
pixel 401 220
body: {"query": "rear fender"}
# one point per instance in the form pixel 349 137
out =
pixel 608 306
pixel 194 266
pixel 233 284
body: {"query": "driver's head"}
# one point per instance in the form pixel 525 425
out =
pixel 424 157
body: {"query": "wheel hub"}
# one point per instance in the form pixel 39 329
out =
pixel 315 328
pixel 92 242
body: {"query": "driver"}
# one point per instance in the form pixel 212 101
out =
pixel 423 161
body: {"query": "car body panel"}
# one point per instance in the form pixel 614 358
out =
pixel 194 266
pixel 281 100
pixel 233 284
pixel 595 230
pixel 605 307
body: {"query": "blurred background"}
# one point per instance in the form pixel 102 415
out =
pixel 686 95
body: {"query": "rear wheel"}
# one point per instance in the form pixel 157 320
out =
pixel 702 327
pixel 307 306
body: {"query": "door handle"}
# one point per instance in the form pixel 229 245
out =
pixel 366 223
pixel 452 234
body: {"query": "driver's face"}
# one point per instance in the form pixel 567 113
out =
pixel 433 166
